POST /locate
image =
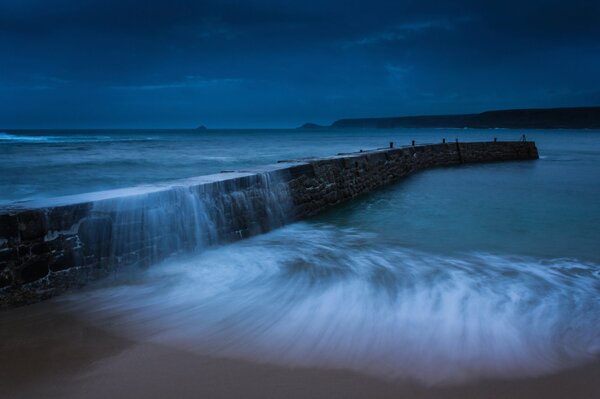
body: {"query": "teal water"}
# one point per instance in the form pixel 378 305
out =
pixel 550 207
pixel 452 274
pixel 38 164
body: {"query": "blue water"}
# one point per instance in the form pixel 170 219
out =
pixel 452 274
pixel 38 164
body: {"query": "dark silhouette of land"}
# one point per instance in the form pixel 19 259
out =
pixel 312 126
pixel 545 118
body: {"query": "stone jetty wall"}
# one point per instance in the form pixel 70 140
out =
pixel 49 246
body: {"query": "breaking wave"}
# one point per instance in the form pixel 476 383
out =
pixel 40 139
pixel 316 295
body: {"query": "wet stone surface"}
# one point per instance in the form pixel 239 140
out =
pixel 46 250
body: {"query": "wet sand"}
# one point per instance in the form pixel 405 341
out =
pixel 47 353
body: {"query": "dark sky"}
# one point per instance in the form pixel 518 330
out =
pixel 123 63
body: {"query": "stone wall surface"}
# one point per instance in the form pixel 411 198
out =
pixel 49 246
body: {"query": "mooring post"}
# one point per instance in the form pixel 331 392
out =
pixel 523 138
pixel 443 141
pixel 391 144
pixel 495 139
pixel 413 143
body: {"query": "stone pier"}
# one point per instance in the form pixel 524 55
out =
pixel 49 246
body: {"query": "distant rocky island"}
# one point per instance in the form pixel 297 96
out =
pixel 312 126
pixel 544 118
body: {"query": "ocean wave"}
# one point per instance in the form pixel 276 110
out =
pixel 319 296
pixel 40 139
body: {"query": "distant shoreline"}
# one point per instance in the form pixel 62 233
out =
pixel 542 118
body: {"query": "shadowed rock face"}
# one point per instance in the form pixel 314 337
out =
pixel 51 245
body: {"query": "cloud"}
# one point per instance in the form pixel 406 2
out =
pixel 35 81
pixel 404 31
pixel 240 61
pixel 396 72
pixel 190 82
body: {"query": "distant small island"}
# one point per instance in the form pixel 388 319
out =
pixel 312 126
pixel 201 127
pixel 544 118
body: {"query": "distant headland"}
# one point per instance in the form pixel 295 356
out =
pixel 543 118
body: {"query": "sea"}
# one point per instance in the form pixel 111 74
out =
pixel 449 276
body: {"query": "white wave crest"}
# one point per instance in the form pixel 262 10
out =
pixel 67 138
pixel 319 296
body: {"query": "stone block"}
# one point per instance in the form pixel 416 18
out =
pixel 8 227
pixel 95 236
pixel 31 224
pixel 64 217
pixel 7 254
pixel 34 269
pixel 66 260
pixel 5 275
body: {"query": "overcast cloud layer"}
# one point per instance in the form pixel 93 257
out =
pixel 106 63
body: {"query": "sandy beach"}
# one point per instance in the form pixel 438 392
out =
pixel 46 353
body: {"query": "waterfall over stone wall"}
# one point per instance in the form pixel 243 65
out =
pixel 48 246
pixel 143 229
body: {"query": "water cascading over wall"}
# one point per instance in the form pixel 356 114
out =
pixel 147 227
pixel 51 245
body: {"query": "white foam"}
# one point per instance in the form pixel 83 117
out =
pixel 322 297
pixel 68 138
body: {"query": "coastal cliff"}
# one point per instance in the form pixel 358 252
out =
pixel 548 118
